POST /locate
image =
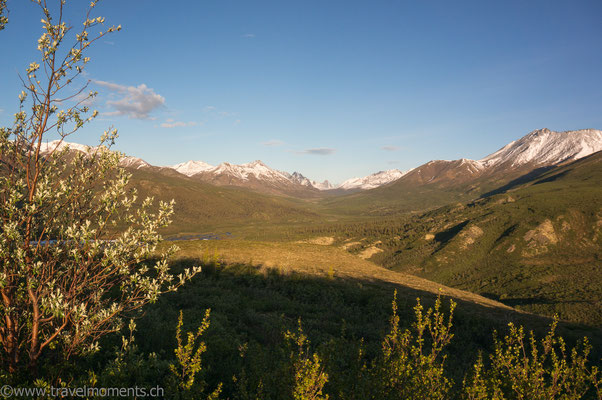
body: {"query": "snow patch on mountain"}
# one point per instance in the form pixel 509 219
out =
pixel 546 147
pixel 472 165
pixel 59 145
pixel 133 162
pixel 373 181
pixel 256 169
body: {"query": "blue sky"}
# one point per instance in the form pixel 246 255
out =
pixel 332 89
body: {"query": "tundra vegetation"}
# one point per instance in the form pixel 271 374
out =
pixel 80 255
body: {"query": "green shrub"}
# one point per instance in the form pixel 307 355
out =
pixel 310 377
pixel 412 364
pixel 531 370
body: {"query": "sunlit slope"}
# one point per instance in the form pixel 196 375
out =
pixel 320 258
pixel 323 260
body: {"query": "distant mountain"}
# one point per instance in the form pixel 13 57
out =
pixel 256 176
pixel 59 145
pixel 133 162
pixel 190 168
pixel 540 148
pixel 430 184
pixel 300 179
pixel 372 181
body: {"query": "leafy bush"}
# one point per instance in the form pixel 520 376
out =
pixel 310 377
pixel 412 364
pixel 530 369
pixel 68 274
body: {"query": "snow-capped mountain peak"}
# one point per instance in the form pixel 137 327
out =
pixel 191 167
pixel 546 147
pixel 325 185
pixel 371 181
pixel 302 180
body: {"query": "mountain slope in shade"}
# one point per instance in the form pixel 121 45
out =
pixel 372 181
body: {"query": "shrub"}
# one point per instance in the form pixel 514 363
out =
pixel 412 364
pixel 522 369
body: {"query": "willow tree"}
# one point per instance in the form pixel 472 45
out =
pixel 3 18
pixel 75 243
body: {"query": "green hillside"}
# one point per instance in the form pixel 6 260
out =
pixel 536 247
pixel 202 207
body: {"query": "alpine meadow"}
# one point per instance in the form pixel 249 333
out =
pixel 350 262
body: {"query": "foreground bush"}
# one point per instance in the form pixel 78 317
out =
pixel 545 370
pixel 412 364
pixel 68 274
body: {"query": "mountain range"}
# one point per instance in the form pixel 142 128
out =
pixel 533 153
pixel 540 148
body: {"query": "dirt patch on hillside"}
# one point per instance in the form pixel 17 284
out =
pixel 369 252
pixel 543 234
pixel 540 238
pixel 549 279
pixel 470 235
pixel 347 246
pixel 322 241
pixel 505 200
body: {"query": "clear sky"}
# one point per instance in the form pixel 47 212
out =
pixel 332 89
